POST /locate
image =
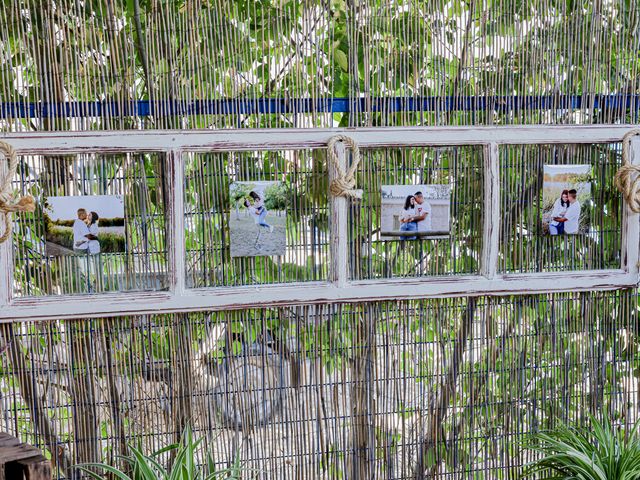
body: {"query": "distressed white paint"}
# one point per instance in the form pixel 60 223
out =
pixel 279 139
pixel 340 289
pixel 6 253
pixel 631 223
pixel 118 304
pixel 339 225
pixel 174 168
pixel 491 220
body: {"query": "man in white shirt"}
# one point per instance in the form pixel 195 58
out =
pixel 80 232
pixel 423 213
pixel 572 223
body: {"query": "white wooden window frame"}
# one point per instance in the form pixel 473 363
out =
pixel 339 288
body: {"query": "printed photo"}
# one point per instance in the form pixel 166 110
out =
pixel 258 221
pixel 411 212
pixel 84 225
pixel 566 195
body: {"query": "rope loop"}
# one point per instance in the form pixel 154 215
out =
pixel 627 178
pixel 8 203
pixel 344 185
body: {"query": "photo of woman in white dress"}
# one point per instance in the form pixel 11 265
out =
pixel 407 223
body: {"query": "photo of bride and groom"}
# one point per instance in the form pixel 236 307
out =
pixel 84 225
pixel 565 197
pixel 258 226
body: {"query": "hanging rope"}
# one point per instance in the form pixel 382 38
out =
pixel 345 182
pixel 627 178
pixel 8 204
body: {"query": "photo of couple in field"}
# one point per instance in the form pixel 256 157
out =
pixel 565 199
pixel 84 225
pixel 258 218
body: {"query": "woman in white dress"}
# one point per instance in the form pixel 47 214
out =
pixel 94 242
pixel 560 207
pixel 407 224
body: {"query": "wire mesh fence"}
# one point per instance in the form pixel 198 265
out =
pixel 447 387
pixel 416 62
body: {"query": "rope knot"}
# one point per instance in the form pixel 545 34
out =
pixel 8 204
pixel 344 185
pixel 627 178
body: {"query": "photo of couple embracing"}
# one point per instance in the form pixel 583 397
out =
pixel 85 233
pixel 566 196
pixel 84 225
pixel 413 212
pixel 415 215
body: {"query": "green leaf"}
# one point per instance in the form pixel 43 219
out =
pixel 341 59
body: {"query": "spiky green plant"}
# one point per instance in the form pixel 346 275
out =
pixel 600 452
pixel 139 466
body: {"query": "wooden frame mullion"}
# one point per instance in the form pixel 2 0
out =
pixel 631 223
pixel 175 238
pixel 491 215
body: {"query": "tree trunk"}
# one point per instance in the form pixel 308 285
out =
pixel 83 391
pixel 362 395
pixel 434 435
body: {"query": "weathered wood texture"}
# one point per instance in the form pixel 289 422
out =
pixel 19 461
pixel 279 139
pixel 491 214
pixel 339 229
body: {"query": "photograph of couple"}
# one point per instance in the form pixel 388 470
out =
pixel 258 221
pixel 565 198
pixel 411 212
pixel 84 225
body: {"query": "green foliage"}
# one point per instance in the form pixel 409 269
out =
pixel 599 452
pixel 276 196
pixel 185 466
pixel 103 222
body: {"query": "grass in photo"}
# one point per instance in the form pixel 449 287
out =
pixel 84 225
pixel 258 219
pixel 566 195
pixel 411 212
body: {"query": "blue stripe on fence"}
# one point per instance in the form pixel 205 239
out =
pixel 144 108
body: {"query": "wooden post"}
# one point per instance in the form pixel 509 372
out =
pixel 339 272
